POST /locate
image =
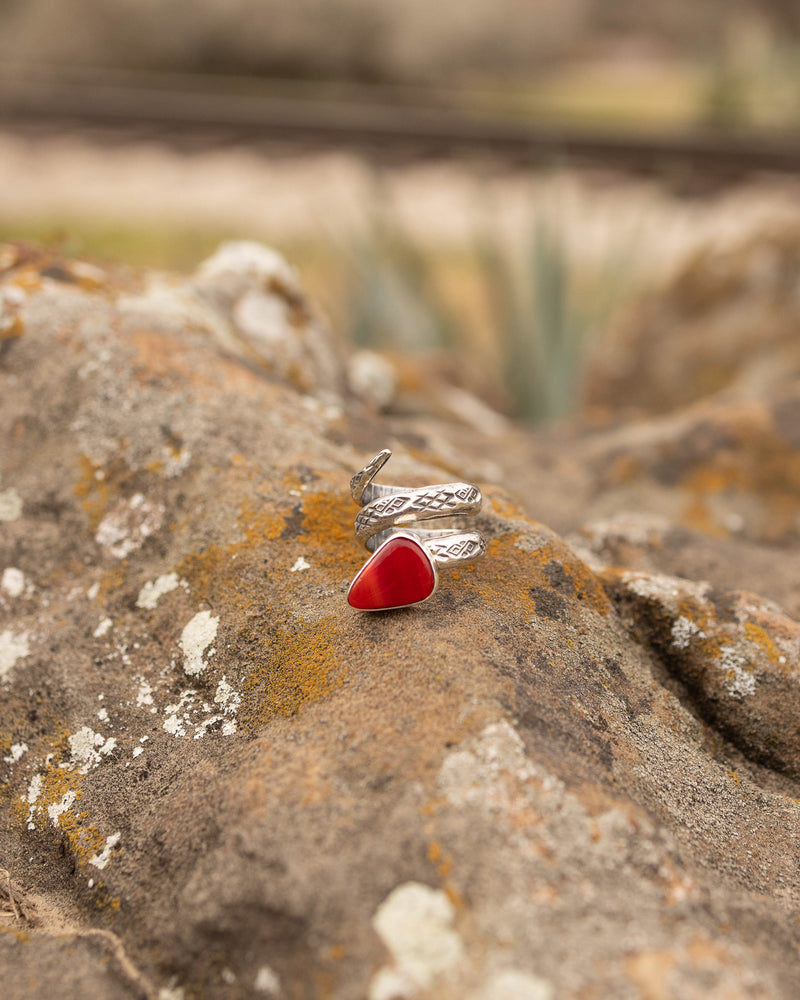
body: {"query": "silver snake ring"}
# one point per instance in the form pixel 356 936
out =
pixel 403 569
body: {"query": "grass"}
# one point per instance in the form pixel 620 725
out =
pixel 169 247
pixel 519 320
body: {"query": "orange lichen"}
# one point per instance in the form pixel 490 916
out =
pixel 504 507
pixel 623 469
pixel 328 525
pixel 85 842
pixel 218 573
pixel 296 666
pixel 164 359
pixel 98 486
pixel 28 278
pixel 259 525
pixel 55 808
pixel 761 638
pixel 13 331
pixel 441 861
pixel 759 463
pixel 509 573
pixel 697 516
pixel 93 491
pixel 208 573
pixel 110 582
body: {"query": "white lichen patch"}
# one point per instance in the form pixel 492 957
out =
pixel 144 696
pixel 178 716
pixel 641 530
pixel 103 628
pixel 101 860
pixel 33 793
pixel 173 725
pixel 225 696
pixel 195 639
pixel 14 646
pixel 532 540
pixel 241 264
pixel 12 298
pixel 683 631
pixel 13 581
pixel 175 461
pixel 267 982
pixel 87 748
pixel 189 713
pixel 513 984
pixel 16 752
pixel 415 922
pixel 264 319
pixel 738 678
pixel 128 525
pixel 152 592
pixel 137 751
pixel 34 789
pixel 171 992
pixel 488 773
pixel 202 727
pixel 664 589
pixel 390 984
pixel 64 805
pixel 300 564
pixel 373 378
pixel 227 727
pixel 10 505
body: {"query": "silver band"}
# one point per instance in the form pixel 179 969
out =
pixel 388 509
pixel 446 548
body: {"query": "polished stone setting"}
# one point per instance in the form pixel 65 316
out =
pixel 399 574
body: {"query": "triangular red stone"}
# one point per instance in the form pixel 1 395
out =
pixel 399 573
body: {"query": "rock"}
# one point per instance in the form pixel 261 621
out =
pixel 372 377
pixel 572 772
pixel 728 319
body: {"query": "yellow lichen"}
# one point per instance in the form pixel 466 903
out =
pixel 506 577
pixel 99 486
pixel 259 525
pixel 441 861
pixel 761 638
pixel 328 525
pixel 296 666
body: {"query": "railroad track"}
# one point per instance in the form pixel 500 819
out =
pixel 176 109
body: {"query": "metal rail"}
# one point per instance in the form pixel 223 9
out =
pixel 190 108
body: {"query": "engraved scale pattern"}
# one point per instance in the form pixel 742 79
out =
pixel 417 505
pixel 457 549
pixel 386 509
pixel 361 480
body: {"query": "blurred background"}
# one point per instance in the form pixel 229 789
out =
pixel 487 188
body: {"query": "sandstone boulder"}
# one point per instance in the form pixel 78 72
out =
pixel 572 773
pixel 727 320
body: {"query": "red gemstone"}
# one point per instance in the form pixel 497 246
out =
pixel 399 573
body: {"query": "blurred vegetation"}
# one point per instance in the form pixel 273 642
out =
pixel 517 320
pixel 170 246
pixel 521 316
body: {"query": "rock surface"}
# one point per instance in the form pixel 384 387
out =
pixel 572 773
pixel 727 320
